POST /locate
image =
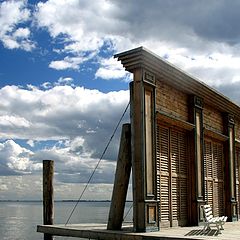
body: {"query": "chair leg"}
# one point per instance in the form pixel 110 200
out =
pixel 221 224
pixel 206 227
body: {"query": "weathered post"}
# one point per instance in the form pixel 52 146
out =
pixel 48 201
pixel 122 175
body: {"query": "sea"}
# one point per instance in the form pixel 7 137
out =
pixel 19 220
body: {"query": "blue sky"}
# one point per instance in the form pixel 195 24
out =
pixel 62 92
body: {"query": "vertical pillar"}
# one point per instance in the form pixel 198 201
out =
pixel 230 174
pixel 197 165
pixel 121 181
pixel 145 207
pixel 48 200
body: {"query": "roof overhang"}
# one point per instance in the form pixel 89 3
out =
pixel 173 76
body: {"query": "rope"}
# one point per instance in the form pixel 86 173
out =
pixel 103 153
pixel 130 208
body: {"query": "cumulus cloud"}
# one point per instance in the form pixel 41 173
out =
pixel 112 69
pixel 73 163
pixel 198 38
pixel 67 63
pixel 82 118
pixel 201 39
pixel 16 159
pixel 204 40
pixel 21 187
pixel 12 14
pixel 30 143
pixel 59 112
pixel 62 81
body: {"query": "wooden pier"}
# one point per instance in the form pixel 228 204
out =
pixel 99 231
pixel 183 148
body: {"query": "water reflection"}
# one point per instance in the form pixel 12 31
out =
pixel 18 221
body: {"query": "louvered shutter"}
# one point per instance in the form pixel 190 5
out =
pixel 214 179
pixel 171 176
pixel 237 159
pixel 208 172
pixel 183 174
pixel 218 179
pixel 174 173
pixel 163 146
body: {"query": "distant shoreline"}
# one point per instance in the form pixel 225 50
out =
pixel 67 200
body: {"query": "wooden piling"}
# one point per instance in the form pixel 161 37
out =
pixel 121 182
pixel 48 200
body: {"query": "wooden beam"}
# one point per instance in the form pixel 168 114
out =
pixel 48 200
pixel 121 182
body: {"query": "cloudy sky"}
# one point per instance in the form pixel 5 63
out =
pixel 62 92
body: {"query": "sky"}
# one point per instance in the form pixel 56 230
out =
pixel 62 92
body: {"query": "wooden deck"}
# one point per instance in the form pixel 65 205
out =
pixel 98 231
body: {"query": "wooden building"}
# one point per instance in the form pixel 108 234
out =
pixel 185 139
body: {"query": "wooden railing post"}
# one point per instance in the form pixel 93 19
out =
pixel 48 201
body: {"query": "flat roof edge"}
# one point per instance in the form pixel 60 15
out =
pixel 143 54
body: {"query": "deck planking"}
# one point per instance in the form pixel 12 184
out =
pixel 98 231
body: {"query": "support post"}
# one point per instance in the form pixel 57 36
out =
pixel 230 174
pixel 121 182
pixel 48 201
pixel 197 189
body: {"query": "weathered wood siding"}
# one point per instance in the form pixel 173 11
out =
pixel 237 129
pixel 171 101
pixel 212 118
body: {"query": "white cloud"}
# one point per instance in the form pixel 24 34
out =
pixel 16 158
pixel 112 69
pixel 68 63
pixel 46 85
pixel 21 187
pixel 81 118
pixel 14 121
pixel 80 42
pixel 21 33
pixel 30 143
pixel 64 80
pixel 204 42
pixel 13 13
pixel 3 187
pixel 191 41
pixel 73 162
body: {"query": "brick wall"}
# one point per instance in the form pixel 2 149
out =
pixel 212 118
pixel 171 101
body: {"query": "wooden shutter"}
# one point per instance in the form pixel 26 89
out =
pixel 174 176
pixel 237 159
pixel 213 168
pixel 218 179
pixel 208 172
pixel 183 178
pixel 172 172
pixel 163 148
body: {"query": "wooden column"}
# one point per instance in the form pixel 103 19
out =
pixel 48 200
pixel 196 161
pixel 136 93
pixel 142 97
pixel 230 173
pixel 121 182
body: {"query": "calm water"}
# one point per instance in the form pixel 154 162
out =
pixel 19 220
